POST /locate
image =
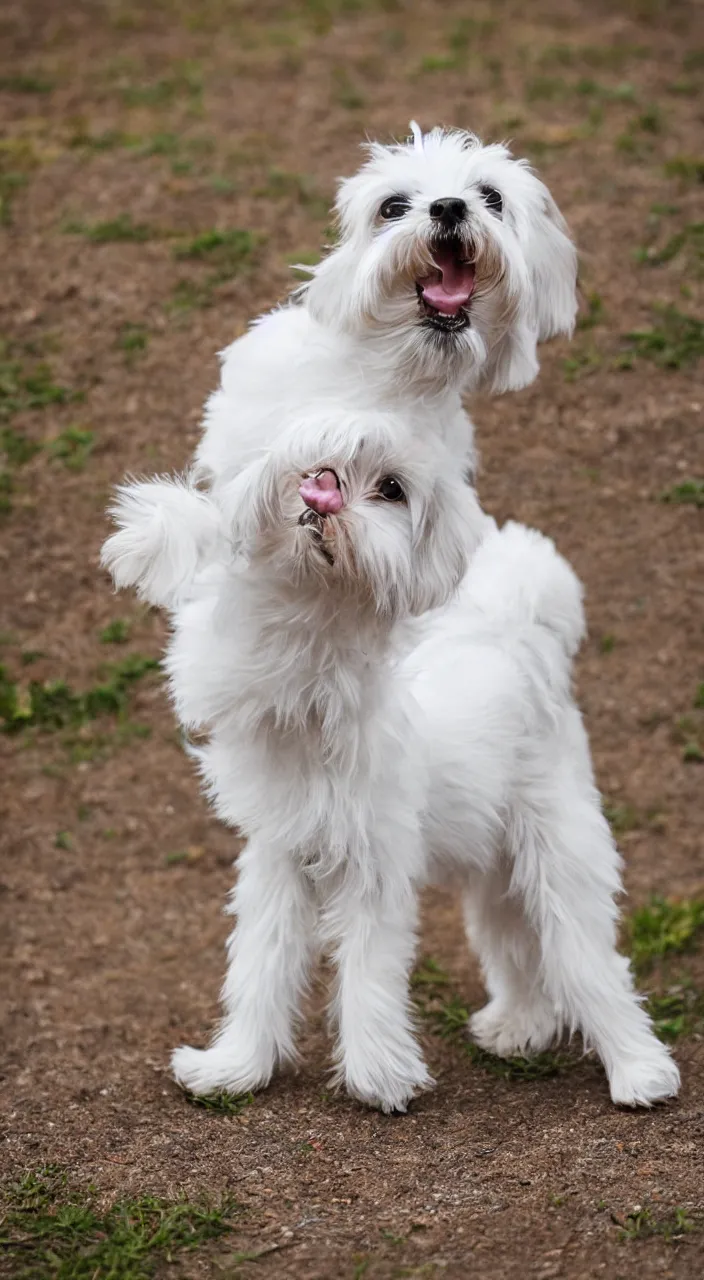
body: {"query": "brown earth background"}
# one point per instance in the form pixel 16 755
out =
pixel 130 133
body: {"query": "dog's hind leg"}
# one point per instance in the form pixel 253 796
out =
pixel 566 869
pixel 269 954
pixel 519 1018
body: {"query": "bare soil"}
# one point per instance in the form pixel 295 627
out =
pixel 217 114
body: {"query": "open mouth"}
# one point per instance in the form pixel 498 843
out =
pixel 444 294
pixel 315 523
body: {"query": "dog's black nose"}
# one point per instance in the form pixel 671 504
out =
pixel 450 210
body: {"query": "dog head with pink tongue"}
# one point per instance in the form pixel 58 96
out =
pixel 453 261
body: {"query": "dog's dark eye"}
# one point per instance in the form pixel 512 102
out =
pixel 493 200
pixel 394 207
pixel 390 489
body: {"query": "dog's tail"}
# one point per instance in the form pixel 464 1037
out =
pixel 166 531
pixel 518 578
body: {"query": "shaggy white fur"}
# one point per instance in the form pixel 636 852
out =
pixel 362 748
pixel 453 263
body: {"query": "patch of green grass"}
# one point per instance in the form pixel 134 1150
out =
pixel 683 87
pixel 88 743
pixel 176 858
pixel 230 249
pixel 461 37
pixel 52 705
pixel 105 141
pixel 470 31
pixel 679 1011
pixel 345 92
pixel 116 632
pixel 30 656
pixel 651 119
pixel 581 364
pixel 16 447
pixel 675 341
pixel 622 818
pixel 428 973
pixel 699 697
pixel 545 89
pixel 121 228
pixel 73 447
pixel 588 87
pixel 282 184
pixel 25 84
pixel 438 62
pixel 606 57
pixel 133 339
pixel 607 642
pixel 690 238
pixel 28 385
pixel 186 80
pixel 50 1231
pixel 10 183
pixel 228 253
pixel 21 389
pixel 224 1103
pixel 642 1223
pixel 630 145
pixel 685 493
pixel 188 294
pixel 7 489
pixel 634 140
pixel 161 144
pixel 689 733
pixel 594 314
pixel 662 928
pixel 62 840
pixel 686 168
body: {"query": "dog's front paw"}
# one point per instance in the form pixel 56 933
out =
pixel 639 1081
pixel 383 1086
pixel 512 1032
pixel 220 1069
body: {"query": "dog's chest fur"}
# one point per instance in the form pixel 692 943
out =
pixel 310 727
pixel 288 366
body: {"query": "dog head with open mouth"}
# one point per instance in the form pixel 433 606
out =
pixel 454 262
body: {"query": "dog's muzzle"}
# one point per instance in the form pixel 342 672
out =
pixel 312 520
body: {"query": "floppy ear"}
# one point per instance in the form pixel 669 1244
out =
pixel 513 361
pixel 552 262
pixel 251 502
pixel 451 526
pixel 551 303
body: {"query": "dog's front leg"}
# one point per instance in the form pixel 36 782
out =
pixel 269 953
pixel 374 937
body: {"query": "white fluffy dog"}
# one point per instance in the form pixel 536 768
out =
pixel 453 263
pixel 361 750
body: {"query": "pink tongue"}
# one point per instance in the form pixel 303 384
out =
pixel 322 493
pixel 449 287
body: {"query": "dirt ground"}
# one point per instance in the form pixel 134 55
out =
pixel 131 130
